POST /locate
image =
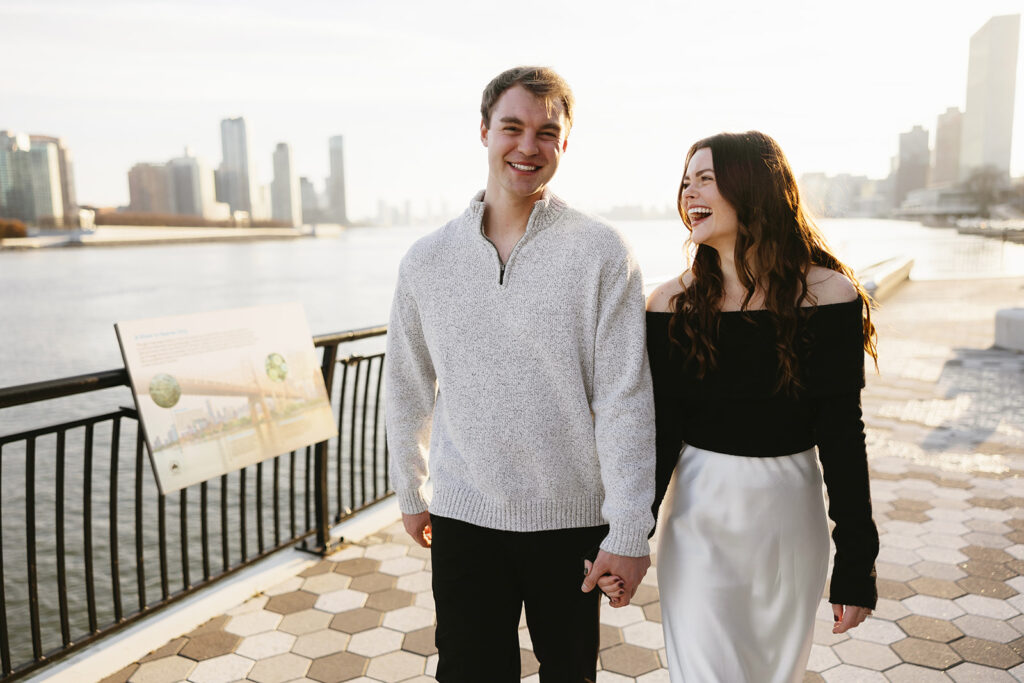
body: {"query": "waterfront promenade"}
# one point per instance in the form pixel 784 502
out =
pixel 945 421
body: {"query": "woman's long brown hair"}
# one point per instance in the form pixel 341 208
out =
pixel 776 246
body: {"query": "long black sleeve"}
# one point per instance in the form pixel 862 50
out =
pixel 839 434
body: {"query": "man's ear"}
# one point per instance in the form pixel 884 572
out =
pixel 483 132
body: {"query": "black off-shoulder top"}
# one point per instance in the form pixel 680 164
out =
pixel 735 409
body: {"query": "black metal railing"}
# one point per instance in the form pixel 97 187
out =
pixel 88 545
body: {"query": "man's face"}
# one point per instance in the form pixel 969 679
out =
pixel 524 143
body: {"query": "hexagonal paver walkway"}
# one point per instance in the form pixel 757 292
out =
pixel 945 419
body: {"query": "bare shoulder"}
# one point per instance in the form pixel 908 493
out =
pixel 661 297
pixel 830 286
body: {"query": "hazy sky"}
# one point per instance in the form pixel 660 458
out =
pixel 834 82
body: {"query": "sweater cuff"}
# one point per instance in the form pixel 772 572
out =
pixel 411 501
pixel 858 591
pixel 628 541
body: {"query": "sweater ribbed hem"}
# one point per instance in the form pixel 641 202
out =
pixel 542 514
pixel 411 501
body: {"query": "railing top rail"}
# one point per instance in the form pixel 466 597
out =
pixel 94 381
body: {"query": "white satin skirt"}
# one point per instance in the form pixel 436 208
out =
pixel 742 558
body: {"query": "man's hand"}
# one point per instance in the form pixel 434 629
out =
pixel 630 569
pixel 418 526
pixel 848 616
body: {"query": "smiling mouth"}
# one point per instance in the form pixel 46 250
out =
pixel 526 168
pixel 698 214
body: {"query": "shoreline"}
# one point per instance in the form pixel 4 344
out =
pixel 128 235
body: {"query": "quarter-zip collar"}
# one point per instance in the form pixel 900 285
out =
pixel 544 213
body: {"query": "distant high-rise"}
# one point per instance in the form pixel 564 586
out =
pixel 336 183
pixel 991 83
pixel 235 175
pixel 310 205
pixel 15 178
pixel 192 189
pixel 912 171
pixel 946 155
pixel 69 201
pixel 149 189
pixel 284 189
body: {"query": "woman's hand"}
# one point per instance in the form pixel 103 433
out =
pixel 848 616
pixel 611 585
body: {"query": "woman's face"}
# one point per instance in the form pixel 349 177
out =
pixel 711 219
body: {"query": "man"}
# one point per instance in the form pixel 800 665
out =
pixel 516 359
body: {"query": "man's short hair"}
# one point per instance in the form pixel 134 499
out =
pixel 538 80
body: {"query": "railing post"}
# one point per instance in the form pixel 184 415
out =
pixel 324 543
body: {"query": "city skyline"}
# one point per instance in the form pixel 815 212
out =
pixel 835 87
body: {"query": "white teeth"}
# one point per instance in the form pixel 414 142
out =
pixel 523 167
pixel 699 211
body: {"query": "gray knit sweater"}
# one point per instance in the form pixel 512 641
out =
pixel 529 389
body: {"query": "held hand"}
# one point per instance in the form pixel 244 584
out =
pixel 418 526
pixel 630 569
pixel 848 616
pixel 610 585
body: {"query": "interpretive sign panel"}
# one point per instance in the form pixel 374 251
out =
pixel 222 390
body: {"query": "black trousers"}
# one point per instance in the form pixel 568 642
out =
pixel 481 580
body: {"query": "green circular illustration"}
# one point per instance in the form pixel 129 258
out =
pixel 164 390
pixel 277 367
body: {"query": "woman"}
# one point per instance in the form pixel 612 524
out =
pixel 757 354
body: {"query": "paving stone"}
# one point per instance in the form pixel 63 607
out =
pixel 400 566
pixel 898 556
pixel 414 583
pixel 373 582
pixel 390 599
pixel 121 676
pixel 991 589
pixel 893 590
pixel 894 572
pixel 988 540
pixel 658 676
pixel 165 670
pixel 652 611
pixel 927 628
pixel 622 616
pixel 306 621
pixel 864 654
pixel 909 504
pixel 265 645
pixel 215 624
pixel 878 631
pixel 408 619
pixel 823 633
pixel 905 542
pixel 528 664
pixel 975 673
pixel 289 603
pixel 847 673
pixel 326 582
pixel 210 644
pixel 171 648
pixel 287 586
pixel 223 669
pixel 890 610
pixel 909 673
pixel 645 634
pixel 986 652
pixel 251 605
pixel 387 551
pixel 938 588
pixel 629 660
pixel 987 526
pixel 986 554
pixel 251 623
pixel 986 607
pixel 420 642
pixel 994 571
pixel 347 552
pixel 938 608
pixel 357 620
pixel 986 628
pixel 926 653
pixel 939 570
pixel 645 595
pixel 936 554
pixel 610 636
pixel 341 601
pixel 375 642
pixel 320 643
pixel 396 666
pixel 321 567
pixel 821 658
pixel 342 666
pixel 356 566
